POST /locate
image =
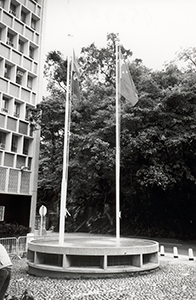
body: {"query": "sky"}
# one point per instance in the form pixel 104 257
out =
pixel 154 30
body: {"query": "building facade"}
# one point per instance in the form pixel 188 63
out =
pixel 21 27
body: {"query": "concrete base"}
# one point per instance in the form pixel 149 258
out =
pixel 88 255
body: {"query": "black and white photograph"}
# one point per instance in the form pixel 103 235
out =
pixel 97 150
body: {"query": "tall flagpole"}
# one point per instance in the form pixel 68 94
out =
pixel 117 145
pixel 65 161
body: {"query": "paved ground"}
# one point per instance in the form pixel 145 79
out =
pixel 181 245
pixel 175 279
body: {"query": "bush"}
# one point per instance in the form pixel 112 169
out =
pixel 7 229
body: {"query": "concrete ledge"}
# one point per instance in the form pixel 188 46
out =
pixel 89 254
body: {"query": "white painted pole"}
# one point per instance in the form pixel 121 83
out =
pixel 190 252
pixel 175 249
pixel 162 251
pixel 117 146
pixel 41 225
pixel 65 163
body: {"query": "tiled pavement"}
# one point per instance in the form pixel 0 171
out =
pixel 175 279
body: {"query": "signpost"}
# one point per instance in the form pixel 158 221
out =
pixel 2 213
pixel 42 212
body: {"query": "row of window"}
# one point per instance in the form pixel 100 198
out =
pixel 21 44
pixel 9 160
pixel 12 124
pixel 14 143
pixel 5 107
pixel 11 41
pixel 23 14
pixel 19 76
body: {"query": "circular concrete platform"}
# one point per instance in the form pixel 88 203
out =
pixel 89 255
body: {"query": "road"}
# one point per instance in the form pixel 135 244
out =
pixel 169 244
pixel 182 246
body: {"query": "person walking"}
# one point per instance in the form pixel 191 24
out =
pixel 5 271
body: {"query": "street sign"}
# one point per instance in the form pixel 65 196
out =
pixel 43 211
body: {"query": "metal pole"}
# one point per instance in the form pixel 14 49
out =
pixel 65 163
pixel 117 146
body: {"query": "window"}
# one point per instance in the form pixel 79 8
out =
pixel 27 113
pixel 31 52
pixel 10 39
pixel 23 16
pixel 23 127
pixel 2 140
pixel 19 76
pixel 32 128
pixel 21 46
pixel 2 120
pixel 14 145
pixel 29 163
pixel 16 109
pixel 18 79
pixel 20 162
pixel 9 160
pixel 2 3
pixel 33 23
pixel 26 146
pixel 7 71
pixel 30 82
pixel 11 124
pixel 13 9
pixel 5 104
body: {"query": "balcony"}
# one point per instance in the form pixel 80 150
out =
pixel 25 151
pixel 4 109
pixel 12 12
pixel 6 75
pixel 10 43
pixel 19 73
pixel 14 149
pixel 2 146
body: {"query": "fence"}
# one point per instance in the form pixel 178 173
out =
pixel 18 246
pixel 15 246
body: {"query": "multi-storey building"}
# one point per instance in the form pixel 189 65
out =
pixel 21 24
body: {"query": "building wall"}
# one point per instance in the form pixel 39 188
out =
pixel 21 24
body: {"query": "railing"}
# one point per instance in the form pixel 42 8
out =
pixel 21 245
pixel 18 246
pixel 15 246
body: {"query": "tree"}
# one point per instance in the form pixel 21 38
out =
pixel 188 55
pixel 50 116
pixel 157 145
pixel 157 162
pixel 91 167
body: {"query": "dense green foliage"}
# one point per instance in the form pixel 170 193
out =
pixel 12 230
pixel 158 142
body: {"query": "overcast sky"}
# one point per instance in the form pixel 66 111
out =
pixel 153 29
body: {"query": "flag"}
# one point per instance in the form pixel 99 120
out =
pixel 75 77
pixel 127 86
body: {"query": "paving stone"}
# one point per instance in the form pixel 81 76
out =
pixel 170 281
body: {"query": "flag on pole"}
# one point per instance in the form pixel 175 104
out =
pixel 75 77
pixel 127 86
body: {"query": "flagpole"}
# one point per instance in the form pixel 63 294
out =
pixel 117 146
pixel 65 162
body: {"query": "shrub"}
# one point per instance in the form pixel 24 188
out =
pixel 7 229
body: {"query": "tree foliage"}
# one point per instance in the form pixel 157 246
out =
pixel 158 139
